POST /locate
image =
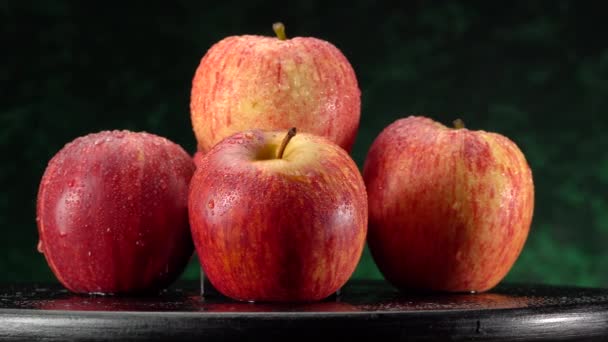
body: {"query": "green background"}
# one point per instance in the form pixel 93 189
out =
pixel 536 72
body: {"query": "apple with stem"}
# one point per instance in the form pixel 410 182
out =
pixel 449 208
pixel 277 216
pixel 112 213
pixel 270 83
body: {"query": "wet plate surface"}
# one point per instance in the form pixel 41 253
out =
pixel 364 309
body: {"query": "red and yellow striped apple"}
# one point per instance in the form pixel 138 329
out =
pixel 112 213
pixel 449 208
pixel 256 82
pixel 277 217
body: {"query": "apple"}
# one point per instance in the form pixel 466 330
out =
pixel 112 213
pixel 449 208
pixel 277 217
pixel 272 83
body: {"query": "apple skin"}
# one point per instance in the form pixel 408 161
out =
pixel 277 230
pixel 197 157
pixel 449 209
pixel 112 213
pixel 256 82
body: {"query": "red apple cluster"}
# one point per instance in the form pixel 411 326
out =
pixel 280 215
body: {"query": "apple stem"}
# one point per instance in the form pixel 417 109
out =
pixel 458 124
pixel 279 30
pixel 290 134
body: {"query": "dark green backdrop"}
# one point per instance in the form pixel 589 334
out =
pixel 534 71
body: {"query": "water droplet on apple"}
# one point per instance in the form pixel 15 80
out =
pixel 40 246
pixel 139 243
pixel 108 230
pixel 163 185
pixel 211 204
pixel 71 183
pixel 89 253
pixel 98 142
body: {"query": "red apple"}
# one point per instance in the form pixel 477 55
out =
pixel 255 82
pixel 112 213
pixel 276 218
pixel 449 209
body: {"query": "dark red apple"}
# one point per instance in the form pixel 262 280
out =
pixel 112 213
pixel 449 209
pixel 275 219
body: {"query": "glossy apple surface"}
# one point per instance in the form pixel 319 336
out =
pixel 277 228
pixel 449 209
pixel 256 82
pixel 112 213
